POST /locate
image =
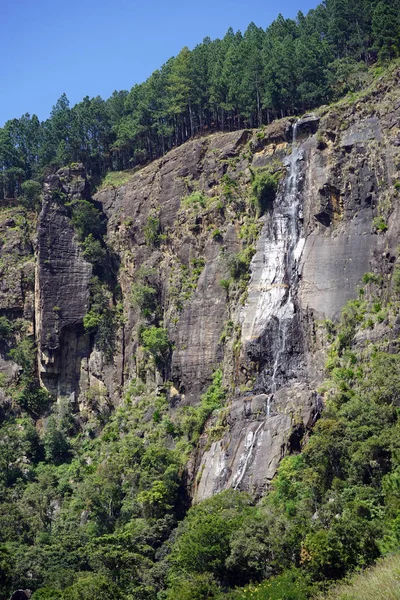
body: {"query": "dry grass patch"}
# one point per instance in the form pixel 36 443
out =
pixel 381 582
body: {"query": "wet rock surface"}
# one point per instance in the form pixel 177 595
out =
pixel 300 276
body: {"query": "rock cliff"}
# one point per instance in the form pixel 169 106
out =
pixel 62 287
pixel 186 227
pixel 17 273
pixel 334 219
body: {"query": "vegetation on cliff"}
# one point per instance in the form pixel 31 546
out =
pixel 97 509
pixel 94 503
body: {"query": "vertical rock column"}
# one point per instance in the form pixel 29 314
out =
pixel 62 286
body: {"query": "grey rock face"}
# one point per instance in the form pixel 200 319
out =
pixel 197 337
pixel 261 432
pixel 307 125
pixel 17 273
pixel 342 198
pixel 158 189
pixel 272 346
pixel 316 242
pixel 16 262
pixel 313 250
pixel 62 290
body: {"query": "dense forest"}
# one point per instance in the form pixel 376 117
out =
pixel 242 80
pixel 101 512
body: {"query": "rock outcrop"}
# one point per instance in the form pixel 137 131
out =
pixel 17 273
pixel 195 309
pixel 62 286
pixel 21 595
pixel 338 223
pixel 177 226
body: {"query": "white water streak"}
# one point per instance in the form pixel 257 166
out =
pixel 274 265
pixel 250 447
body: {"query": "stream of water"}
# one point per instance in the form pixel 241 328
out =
pixel 270 306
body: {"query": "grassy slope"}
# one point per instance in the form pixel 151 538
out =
pixel 381 582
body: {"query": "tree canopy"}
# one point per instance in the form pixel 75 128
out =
pixel 241 80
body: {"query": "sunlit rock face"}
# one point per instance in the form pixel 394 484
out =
pixel 62 286
pixel 316 244
pixel 272 347
pixel 316 241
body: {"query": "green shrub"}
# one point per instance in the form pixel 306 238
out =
pixel 226 332
pixel 93 251
pixel 90 586
pixel 250 230
pixel 352 315
pixel 24 355
pixel 6 329
pixel 195 417
pixel 196 200
pixel 6 571
pixel 331 553
pixel 239 263
pixel 194 586
pixel 31 191
pixel 47 594
pixel 32 397
pixel 225 283
pixel 157 500
pixel 292 584
pixel 203 541
pixel 229 186
pixel 145 297
pixel 100 320
pixel 197 265
pixel 396 280
pixel 383 381
pixel 264 186
pixel 155 340
pixel 371 278
pixel 217 235
pixel 56 444
pixel 379 224
pixel 152 230
pixel 116 179
pixel 86 219
pixel 28 394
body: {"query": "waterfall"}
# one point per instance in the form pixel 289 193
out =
pixel 288 215
pixel 250 441
pixel 261 419
pixel 270 309
pixel 269 405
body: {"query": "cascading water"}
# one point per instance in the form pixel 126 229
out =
pixel 249 445
pixel 270 307
pixel 269 313
pixel 289 236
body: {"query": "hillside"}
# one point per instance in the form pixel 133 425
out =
pixel 171 337
pixel 381 581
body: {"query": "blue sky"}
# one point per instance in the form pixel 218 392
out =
pixel 93 47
